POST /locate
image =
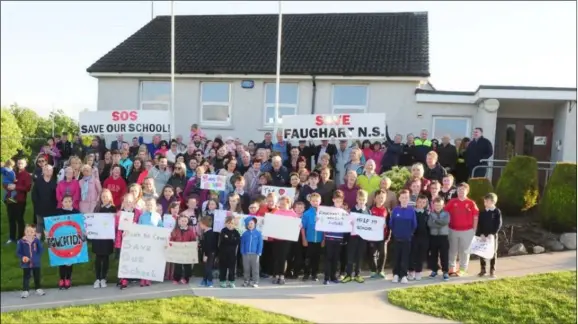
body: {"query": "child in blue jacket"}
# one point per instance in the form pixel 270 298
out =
pixel 251 250
pixel 312 239
pixel 402 224
pixel 29 250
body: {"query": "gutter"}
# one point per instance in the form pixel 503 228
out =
pixel 314 94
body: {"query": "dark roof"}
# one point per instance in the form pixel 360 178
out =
pixel 491 87
pixel 372 44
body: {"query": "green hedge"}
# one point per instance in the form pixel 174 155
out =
pixel 479 187
pixel 517 188
pixel 558 205
pixel 398 176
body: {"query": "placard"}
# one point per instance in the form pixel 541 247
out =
pixel 240 222
pixel 99 226
pixel 483 248
pixel 213 182
pixel 66 239
pixel 278 191
pixel 125 220
pixel 114 122
pixel 282 227
pixel 182 253
pixel 332 219
pixel 368 227
pixel 219 220
pixel 337 126
pixel 169 222
pixel 142 255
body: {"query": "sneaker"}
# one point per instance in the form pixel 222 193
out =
pixel 281 281
pixel 143 283
pixel 264 276
pixel 96 284
pixel 482 273
pixel 8 242
pixel 335 281
pixel 433 274
pixel 183 282
pixel 223 284
pixel 103 283
pixel 123 284
pixel 446 276
pixel 232 284
pixel 359 279
pixel 492 273
pixel 341 277
pixel 203 283
pixel 314 278
pixel 373 275
pixel 40 292
pixel 175 282
pixel 210 284
pixel 462 273
pixel 246 284
pixel 403 280
pixel 346 279
pixel 148 283
pixel 453 274
pixel 382 275
pixel 411 276
pixel 395 279
pixel 67 283
pixel 255 285
pixel 326 282
pixel 275 281
pixel 24 294
pixel 417 276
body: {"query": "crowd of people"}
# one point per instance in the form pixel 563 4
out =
pixel 431 219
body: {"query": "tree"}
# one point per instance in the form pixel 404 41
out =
pixel 11 135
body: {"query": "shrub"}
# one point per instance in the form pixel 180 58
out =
pixel 558 205
pixel 479 187
pixel 517 188
pixel 398 176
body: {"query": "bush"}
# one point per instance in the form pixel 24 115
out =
pixel 479 187
pixel 398 176
pixel 558 205
pixel 517 188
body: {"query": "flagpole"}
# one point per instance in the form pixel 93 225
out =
pixel 172 131
pixel 152 10
pixel 278 72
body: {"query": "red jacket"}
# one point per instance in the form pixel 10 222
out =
pixel 187 235
pixel 462 214
pixel 23 185
pixel 381 212
pixel 142 176
pixel 117 187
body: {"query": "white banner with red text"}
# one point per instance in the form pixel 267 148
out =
pixel 337 126
pixel 115 122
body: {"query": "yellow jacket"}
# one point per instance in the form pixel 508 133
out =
pixel 370 185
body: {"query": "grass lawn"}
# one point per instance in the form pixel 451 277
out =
pixel 168 310
pixel 544 298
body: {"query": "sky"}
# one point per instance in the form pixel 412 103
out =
pixel 47 46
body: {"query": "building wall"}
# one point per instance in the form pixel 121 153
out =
pixel 564 132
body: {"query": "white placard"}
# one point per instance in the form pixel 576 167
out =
pixel 282 227
pixel 114 122
pixel 99 226
pixel 213 182
pixel 142 255
pixel 240 222
pixel 338 126
pixel 483 248
pixel 125 221
pixel 369 228
pixel 332 219
pixel 169 222
pixel 219 220
pixel 182 253
pixel 278 191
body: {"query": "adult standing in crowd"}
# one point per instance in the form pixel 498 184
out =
pixel 422 146
pixel 181 147
pixel 117 144
pixel 394 150
pixel 480 148
pixel 44 197
pixel 279 173
pixel 325 148
pixel 407 157
pixel 16 210
pixel 307 151
pixel 341 158
pixel 65 149
pixel 160 173
pixel 447 154
pixel 282 147
pixel 267 143
pixel 153 146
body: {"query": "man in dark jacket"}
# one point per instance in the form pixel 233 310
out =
pixel 306 151
pixel 325 147
pixel 479 149
pixel 393 152
pixel 44 197
pixel 267 143
pixel 78 147
pixel 433 169
pixel 407 157
pixel 448 154
pixel 279 173
pixel 65 148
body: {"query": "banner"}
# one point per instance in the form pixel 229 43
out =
pixel 483 248
pixel 182 253
pixel 369 228
pixel 213 182
pixel 326 127
pixel 282 227
pixel 169 222
pixel 99 226
pixel 278 191
pixel 66 239
pixel 114 122
pixel 125 221
pixel 142 255
pixel 332 219
pixel 219 220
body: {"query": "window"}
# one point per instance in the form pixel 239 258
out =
pixel 215 103
pixel 349 99
pixel 288 98
pixel 455 127
pixel 155 95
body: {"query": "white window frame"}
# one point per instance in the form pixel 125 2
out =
pixel 362 109
pixel 267 105
pixel 216 103
pixel 152 102
pixel 466 118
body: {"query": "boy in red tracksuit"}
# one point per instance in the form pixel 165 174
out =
pixel 378 249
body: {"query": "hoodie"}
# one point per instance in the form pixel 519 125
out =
pixel 71 188
pixel 251 241
pixel 305 192
pixel 32 250
pixel 436 173
pixel 402 223
pixel 229 241
pixel 308 226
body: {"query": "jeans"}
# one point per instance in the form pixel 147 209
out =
pixel 439 247
pixel 26 274
pixel 208 273
pixel 332 250
pixel 418 254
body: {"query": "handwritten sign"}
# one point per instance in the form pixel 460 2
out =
pixel 142 255
pixel 66 239
pixel 99 226
pixel 219 220
pixel 125 221
pixel 240 222
pixel 278 191
pixel 182 253
pixel 332 219
pixel 169 222
pixel 370 228
pixel 483 248
pixel 282 227
pixel 213 182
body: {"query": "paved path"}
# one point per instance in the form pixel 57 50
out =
pixel 340 303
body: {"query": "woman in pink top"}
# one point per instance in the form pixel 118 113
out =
pixel 68 186
pixel 281 247
pixel 90 189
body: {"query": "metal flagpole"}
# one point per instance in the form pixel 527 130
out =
pixel 152 10
pixel 172 131
pixel 278 73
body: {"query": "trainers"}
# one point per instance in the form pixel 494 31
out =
pixel 395 279
pixel 411 276
pixel 346 279
pixel 382 275
pixel 446 276
pixel 8 242
pixel 462 273
pixel 246 284
pixel 373 275
pixel 359 279
pixel 183 282
pixel 492 274
pixel 40 292
pixel 482 273
pixel 143 282
pixel 404 280
pixel 67 283
pixel 417 276
pixel 275 281
pixel 255 285
pixel 210 284
pixel 433 274
pixel 203 283
pixel 175 282
pixel 123 284
pixel 341 277
pixel 314 278
pixel 96 284
pixel 103 283
pixel 281 281
pixel 232 284
pixel 326 282
pixel 223 284
pixel 335 281
pixel 148 283
pixel 24 294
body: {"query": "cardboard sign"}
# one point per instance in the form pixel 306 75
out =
pixel 369 228
pixel 169 222
pixel 219 220
pixel 240 222
pixel 282 227
pixel 99 226
pixel 182 253
pixel 66 239
pixel 213 182
pixel 124 121
pixel 483 248
pixel 142 255
pixel 126 220
pixel 327 127
pixel 332 219
pixel 278 191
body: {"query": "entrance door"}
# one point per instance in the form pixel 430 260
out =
pixel 531 137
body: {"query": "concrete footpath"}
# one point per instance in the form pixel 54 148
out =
pixel 339 303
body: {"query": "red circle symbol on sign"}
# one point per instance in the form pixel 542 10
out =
pixel 66 253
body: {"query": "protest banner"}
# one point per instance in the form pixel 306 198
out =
pixel 278 191
pixel 327 127
pixel 169 222
pixel 182 253
pixel 369 228
pixel 142 255
pixel 66 239
pixel 282 227
pixel 219 220
pixel 116 122
pixel 485 248
pixel 126 220
pixel 99 226
pixel 213 182
pixel 332 219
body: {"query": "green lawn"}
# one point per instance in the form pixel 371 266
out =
pixel 167 310
pixel 545 298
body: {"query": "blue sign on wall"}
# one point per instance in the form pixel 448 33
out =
pixel 247 84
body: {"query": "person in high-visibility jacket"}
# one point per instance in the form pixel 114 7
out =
pixel 422 146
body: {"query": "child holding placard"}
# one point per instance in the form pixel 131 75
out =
pixel 419 241
pixel 183 233
pixel 378 249
pixel 333 245
pixel 356 245
pixel 29 250
pixel 402 224
pixel 103 248
pixel 149 217
pixel 489 224
pixel 65 271
pixel 229 241
pixel 128 206
pixel 268 206
pixel 280 248
pixel 209 248
pixel 251 249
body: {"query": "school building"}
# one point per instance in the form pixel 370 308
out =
pixel 331 64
